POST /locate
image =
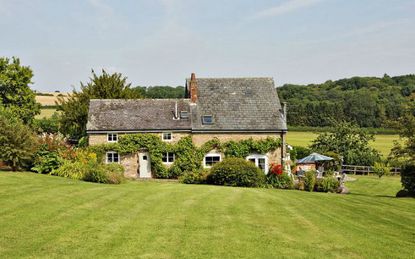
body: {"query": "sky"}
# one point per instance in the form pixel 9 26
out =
pixel 161 42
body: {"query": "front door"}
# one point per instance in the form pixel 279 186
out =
pixel 145 165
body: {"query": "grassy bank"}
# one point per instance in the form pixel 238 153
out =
pixel 46 216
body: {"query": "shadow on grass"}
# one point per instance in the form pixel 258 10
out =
pixel 6 169
pixel 371 195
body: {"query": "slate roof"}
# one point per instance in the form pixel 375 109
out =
pixel 136 115
pixel 238 104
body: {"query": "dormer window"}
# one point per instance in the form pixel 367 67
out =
pixel 112 137
pixel 167 136
pixel 207 119
pixel 184 115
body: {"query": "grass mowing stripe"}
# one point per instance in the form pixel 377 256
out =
pixel 170 220
pixel 54 220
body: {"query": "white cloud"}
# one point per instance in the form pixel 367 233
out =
pixel 284 8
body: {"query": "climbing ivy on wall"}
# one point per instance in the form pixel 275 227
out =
pixel 188 158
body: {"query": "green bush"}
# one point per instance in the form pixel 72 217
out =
pixel 328 173
pixel 47 125
pixel 91 172
pixel 408 178
pixel 115 173
pixel 95 174
pixel 236 172
pixel 69 169
pixel 327 184
pixel 196 177
pixel 46 162
pixel 17 141
pixel 282 181
pixel 114 167
pixel 51 151
pixel 309 180
pixel 380 169
pixel 104 173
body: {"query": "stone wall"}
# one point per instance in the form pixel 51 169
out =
pixel 273 157
pixel 96 139
pixel 130 163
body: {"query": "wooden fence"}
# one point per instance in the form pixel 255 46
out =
pixel 361 169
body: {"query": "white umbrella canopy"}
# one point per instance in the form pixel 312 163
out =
pixel 314 157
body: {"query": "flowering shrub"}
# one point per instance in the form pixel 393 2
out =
pixel 279 181
pixel 51 152
pixel 276 178
pixel 276 169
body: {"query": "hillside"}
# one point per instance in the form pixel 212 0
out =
pixel 49 99
pixel 368 101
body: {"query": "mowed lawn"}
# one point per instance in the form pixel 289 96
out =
pixel 47 216
pixel 383 143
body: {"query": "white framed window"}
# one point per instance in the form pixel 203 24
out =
pixel 211 159
pixel 112 137
pixel 261 161
pixel 167 136
pixel 168 157
pixel 112 157
pixel 207 119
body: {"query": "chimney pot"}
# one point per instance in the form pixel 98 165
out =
pixel 193 88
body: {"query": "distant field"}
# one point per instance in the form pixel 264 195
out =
pixel 45 113
pixel 383 143
pixel 49 100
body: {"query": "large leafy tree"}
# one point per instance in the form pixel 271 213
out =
pixel 74 110
pixel 349 141
pixel 405 153
pixel 17 141
pixel 15 93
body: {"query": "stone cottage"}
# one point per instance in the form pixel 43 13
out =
pixel 223 108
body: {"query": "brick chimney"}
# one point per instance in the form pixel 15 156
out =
pixel 193 88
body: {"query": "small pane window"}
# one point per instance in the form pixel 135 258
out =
pixel 261 164
pixel 113 157
pixel 168 157
pixel 211 160
pixel 112 137
pixel 207 119
pixel 167 136
pixel 260 161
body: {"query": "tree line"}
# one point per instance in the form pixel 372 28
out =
pixel 367 101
